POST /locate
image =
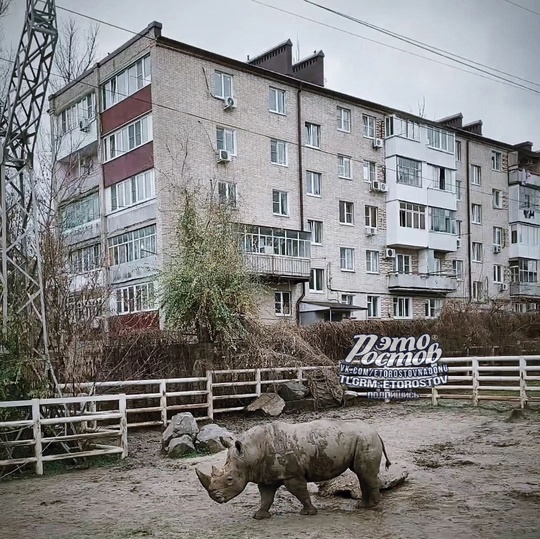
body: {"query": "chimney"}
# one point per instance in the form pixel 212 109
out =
pixel 527 146
pixel 455 121
pixel 310 69
pixel 278 59
pixel 474 127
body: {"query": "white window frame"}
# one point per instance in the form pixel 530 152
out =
pixel 88 205
pixel 433 307
pixel 458 189
pixel 313 183
pixel 312 133
pixel 476 175
pixel 409 171
pixel 498 274
pixel 477 250
pixel 373 264
pixel 371 214
pixel 498 234
pixel 316 229
pixel 282 202
pixel 402 307
pixel 85 259
pixel 83 110
pixel 347 299
pixel 124 140
pixel 373 306
pixel 316 279
pixel 412 215
pixel 346 209
pixel 281 300
pixel 132 191
pixel 369 126
pixel 476 214
pixel 370 171
pixel 227 193
pixel 458 150
pixel 220 87
pixel 457 267
pixel 439 139
pixel 496 161
pixel 344 116
pixel 132 245
pixel 344 162
pixel 135 295
pixel 478 291
pixel 403 264
pixel 346 259
pixel 226 139
pixel 280 149
pixel 277 99
pixel 497 198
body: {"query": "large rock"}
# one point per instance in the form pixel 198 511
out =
pixel 268 403
pixel 179 447
pixel 293 391
pixel 180 424
pixel 213 438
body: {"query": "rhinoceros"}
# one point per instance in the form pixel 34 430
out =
pixel 292 455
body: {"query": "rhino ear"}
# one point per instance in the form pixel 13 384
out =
pixel 239 447
pixel 227 442
pixel 203 478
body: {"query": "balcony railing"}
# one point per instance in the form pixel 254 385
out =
pixel 278 265
pixel 421 282
pixel 525 289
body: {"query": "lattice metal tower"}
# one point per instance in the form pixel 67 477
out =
pixel 21 280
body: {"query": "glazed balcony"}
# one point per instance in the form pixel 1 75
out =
pixel 525 289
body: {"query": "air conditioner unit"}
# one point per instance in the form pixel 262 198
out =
pixel 84 125
pixel 389 253
pixel 376 185
pixel 224 156
pixel 370 230
pixel 496 248
pixel 504 287
pixel 383 187
pixel 458 243
pixel 378 143
pixel 229 103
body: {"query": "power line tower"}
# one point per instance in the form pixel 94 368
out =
pixel 21 281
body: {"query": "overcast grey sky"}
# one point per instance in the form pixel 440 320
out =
pixel 493 32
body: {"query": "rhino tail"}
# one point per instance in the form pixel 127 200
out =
pixel 387 463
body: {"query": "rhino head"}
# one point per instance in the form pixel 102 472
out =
pixel 225 484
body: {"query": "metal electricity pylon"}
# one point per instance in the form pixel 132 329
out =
pixel 21 279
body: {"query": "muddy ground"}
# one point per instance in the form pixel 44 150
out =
pixel 473 474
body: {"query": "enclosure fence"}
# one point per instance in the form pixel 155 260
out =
pixel 140 403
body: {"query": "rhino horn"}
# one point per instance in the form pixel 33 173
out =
pixel 203 478
pixel 216 472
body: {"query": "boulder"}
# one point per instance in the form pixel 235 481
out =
pixel 268 403
pixel 293 391
pixel 179 447
pixel 213 438
pixel 180 424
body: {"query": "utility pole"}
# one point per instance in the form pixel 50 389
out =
pixel 21 279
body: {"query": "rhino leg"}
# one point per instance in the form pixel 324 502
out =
pixel 298 488
pixel 267 499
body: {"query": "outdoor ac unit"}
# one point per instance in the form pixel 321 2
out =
pixel 378 143
pixel 224 156
pixel 504 287
pixel 375 185
pixel 383 187
pixel 84 125
pixel 389 253
pixel 229 103
pixel 370 230
pixel 496 248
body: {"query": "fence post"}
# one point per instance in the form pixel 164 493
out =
pixel 36 427
pixel 258 382
pixel 475 380
pixel 163 402
pixel 522 381
pixel 210 396
pixel 122 407
pixel 299 374
pixel 434 396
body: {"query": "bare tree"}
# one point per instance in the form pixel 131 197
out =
pixel 4 7
pixel 75 52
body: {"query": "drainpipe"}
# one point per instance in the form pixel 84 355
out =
pixel 469 237
pixel 301 187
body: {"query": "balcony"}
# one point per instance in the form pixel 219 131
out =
pixel 525 289
pixel 424 283
pixel 293 268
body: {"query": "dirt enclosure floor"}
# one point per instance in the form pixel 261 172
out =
pixel 472 474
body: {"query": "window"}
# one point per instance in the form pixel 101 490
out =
pixel 85 258
pixel 402 264
pixel 497 236
pixel 133 245
pixel 227 193
pixel 373 307
pixel 128 138
pixel 81 211
pixel 433 308
pixel 458 189
pixel 343 119
pixel 457 266
pixel 372 261
pixel 476 175
pixel 313 180
pixel 368 126
pixel 346 257
pixel 497 274
pixel 127 82
pixel 402 128
pixel 442 178
pixel 370 171
pixel 83 110
pixel 371 216
pixel 344 167
pixel 402 308
pixel 132 191
pixel 477 250
pixel 135 298
pixel 476 210
pixel 226 139
pixel 496 161
pixel 458 228
pixel 440 140
pixel 347 299
pixel 478 291
pixel 280 200
pixel 524 270
pixel 316 229
pixel 458 150
pixel 84 307
pixel 409 171
pixel 275 241
pixel 412 215
pixel 497 198
pixel 282 303
pixel 277 100
pixel 278 152
pixel 513 235
pixel 223 85
pixel 443 220
pixel 313 135
pixel 316 280
pixel 346 213
pixel 526 235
